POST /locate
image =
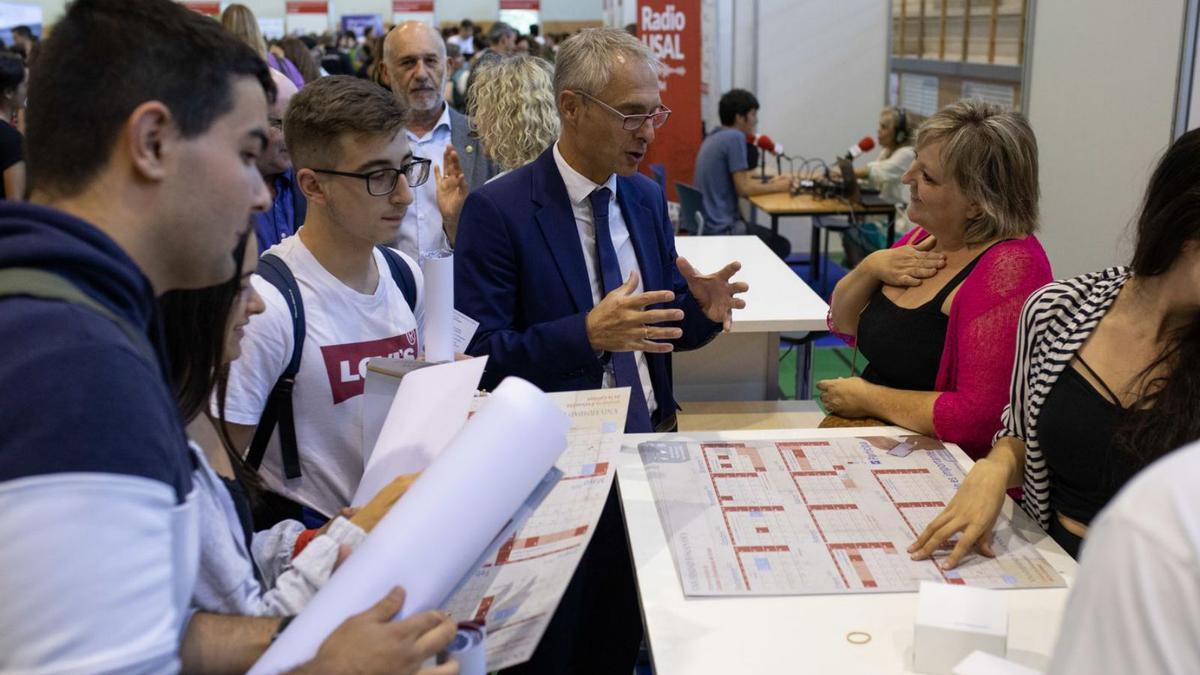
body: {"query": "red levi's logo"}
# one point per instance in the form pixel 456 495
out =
pixel 347 364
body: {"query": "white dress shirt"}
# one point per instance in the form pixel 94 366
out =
pixel 579 189
pixel 421 229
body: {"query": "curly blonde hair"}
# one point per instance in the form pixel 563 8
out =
pixel 513 109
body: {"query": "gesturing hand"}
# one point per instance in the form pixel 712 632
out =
pixel 972 511
pixel 906 265
pixel 621 322
pixel 713 292
pixel 452 189
pixel 372 643
pixel 847 397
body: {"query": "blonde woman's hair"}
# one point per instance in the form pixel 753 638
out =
pixel 992 155
pixel 513 109
pixel 239 20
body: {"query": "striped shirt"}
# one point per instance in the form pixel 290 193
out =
pixel 1055 323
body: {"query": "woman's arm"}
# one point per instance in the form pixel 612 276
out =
pixel 14 182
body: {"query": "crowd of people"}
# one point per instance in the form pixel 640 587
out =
pixel 183 400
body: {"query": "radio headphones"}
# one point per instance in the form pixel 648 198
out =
pixel 900 133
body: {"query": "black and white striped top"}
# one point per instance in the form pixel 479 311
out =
pixel 1055 322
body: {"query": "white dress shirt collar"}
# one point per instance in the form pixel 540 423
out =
pixel 442 123
pixel 579 186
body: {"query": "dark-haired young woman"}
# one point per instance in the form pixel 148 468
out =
pixel 1106 379
pixel 12 99
pixel 241 572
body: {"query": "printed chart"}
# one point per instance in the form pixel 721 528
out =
pixel 515 594
pixel 793 517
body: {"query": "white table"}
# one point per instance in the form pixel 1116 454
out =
pixel 797 634
pixel 743 365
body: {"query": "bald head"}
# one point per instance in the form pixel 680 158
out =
pixel 275 158
pixel 415 57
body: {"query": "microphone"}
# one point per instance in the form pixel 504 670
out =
pixel 864 144
pixel 764 142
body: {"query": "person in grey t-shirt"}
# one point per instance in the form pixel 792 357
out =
pixel 723 172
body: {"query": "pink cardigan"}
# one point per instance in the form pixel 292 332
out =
pixel 981 340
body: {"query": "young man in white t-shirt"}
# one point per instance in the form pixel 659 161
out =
pixel 355 167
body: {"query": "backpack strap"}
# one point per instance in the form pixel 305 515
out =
pixel 43 285
pixel 278 410
pixel 401 274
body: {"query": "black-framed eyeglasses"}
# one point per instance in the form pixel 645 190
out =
pixel 381 182
pixel 634 122
pixel 275 123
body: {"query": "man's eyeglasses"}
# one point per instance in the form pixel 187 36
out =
pixel 383 181
pixel 634 122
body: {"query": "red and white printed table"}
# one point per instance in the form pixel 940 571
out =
pixel 794 634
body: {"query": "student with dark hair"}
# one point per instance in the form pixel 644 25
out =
pixel 12 99
pixel 723 171
pixel 243 572
pixel 141 185
pixel 24 41
pixel 360 298
pixel 1106 379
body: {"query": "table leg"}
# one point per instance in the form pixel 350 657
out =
pixel 771 391
pixel 804 370
pixel 814 255
pixel 891 228
pixel 775 223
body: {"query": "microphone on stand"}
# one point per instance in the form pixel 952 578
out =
pixel 864 144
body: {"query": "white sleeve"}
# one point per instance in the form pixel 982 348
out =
pixel 272 549
pixel 884 172
pixel 1135 606
pixel 89 575
pixel 311 569
pixel 266 350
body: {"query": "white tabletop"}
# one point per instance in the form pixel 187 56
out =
pixel 797 634
pixel 777 301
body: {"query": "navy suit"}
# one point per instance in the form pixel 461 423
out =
pixel 519 271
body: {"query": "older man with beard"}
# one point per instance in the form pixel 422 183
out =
pixel 414 60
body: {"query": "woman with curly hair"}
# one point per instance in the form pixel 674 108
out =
pixel 513 110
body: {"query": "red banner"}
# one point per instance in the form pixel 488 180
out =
pixel 307 7
pixel 412 5
pixel 206 8
pixel 520 4
pixel 671 29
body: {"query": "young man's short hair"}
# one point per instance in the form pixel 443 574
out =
pixel 330 107
pixel 91 76
pixel 735 102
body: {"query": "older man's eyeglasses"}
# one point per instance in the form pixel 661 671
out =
pixel 634 122
pixel 383 181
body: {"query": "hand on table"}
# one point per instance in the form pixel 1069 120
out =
pixel 905 265
pixel 848 397
pixel 714 292
pixel 371 642
pixel 972 512
pixel 781 183
pixel 621 322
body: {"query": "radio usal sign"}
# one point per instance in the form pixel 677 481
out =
pixel 661 32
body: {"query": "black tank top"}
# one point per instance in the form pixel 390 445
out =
pixel 1075 431
pixel 904 346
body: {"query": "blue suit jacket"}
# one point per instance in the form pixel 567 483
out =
pixel 519 271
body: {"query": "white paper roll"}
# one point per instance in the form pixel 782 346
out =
pixel 431 538
pixel 438 271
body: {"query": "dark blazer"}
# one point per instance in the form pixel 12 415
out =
pixel 519 271
pixel 475 164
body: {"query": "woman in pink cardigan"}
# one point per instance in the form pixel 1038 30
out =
pixel 936 315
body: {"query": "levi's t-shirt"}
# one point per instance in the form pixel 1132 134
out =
pixel 345 330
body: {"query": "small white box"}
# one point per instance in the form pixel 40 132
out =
pixel 953 621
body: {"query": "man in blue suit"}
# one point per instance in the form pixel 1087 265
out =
pixel 569 266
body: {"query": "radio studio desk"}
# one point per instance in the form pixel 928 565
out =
pixel 743 365
pixel 782 205
pixel 798 633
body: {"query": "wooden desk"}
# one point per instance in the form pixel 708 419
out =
pixel 743 364
pixel 746 415
pixel 782 204
pixel 800 633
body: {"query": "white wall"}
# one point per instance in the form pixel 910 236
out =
pixel 572 10
pixel 821 72
pixel 1101 101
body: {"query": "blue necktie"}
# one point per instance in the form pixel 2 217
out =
pixel 625 370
